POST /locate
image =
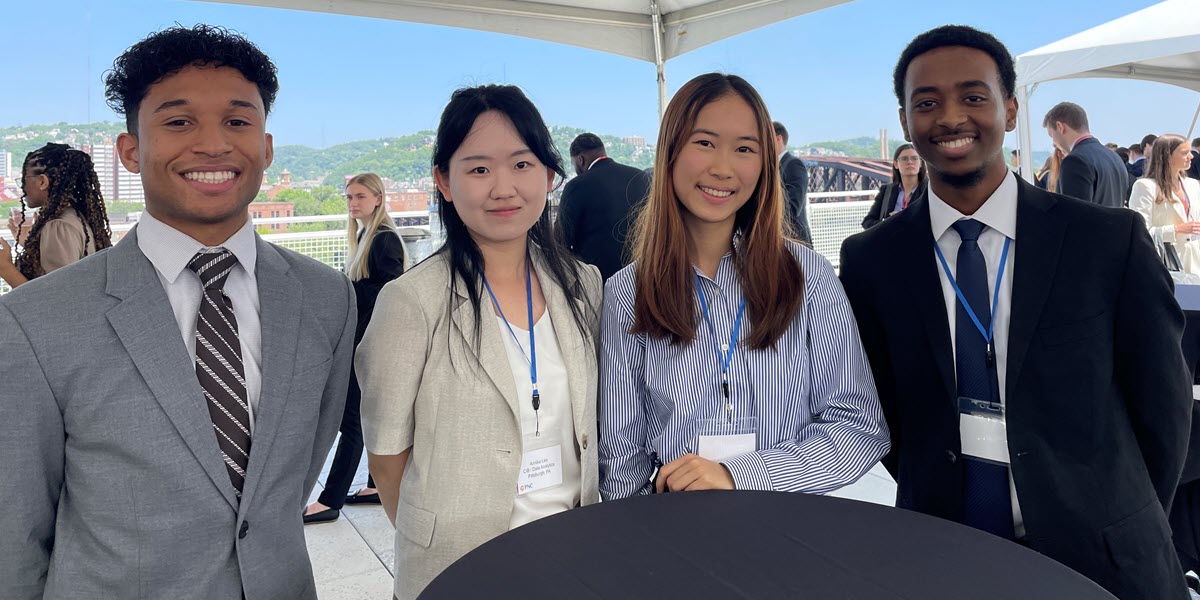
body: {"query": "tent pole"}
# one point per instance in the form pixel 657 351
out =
pixel 659 60
pixel 1025 134
pixel 1194 117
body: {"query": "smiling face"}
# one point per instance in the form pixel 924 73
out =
pixel 360 201
pixel 201 149
pixel 956 113
pixel 720 163
pixel 496 184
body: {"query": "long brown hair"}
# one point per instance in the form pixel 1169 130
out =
pixel 1159 168
pixel 73 183
pixel 771 279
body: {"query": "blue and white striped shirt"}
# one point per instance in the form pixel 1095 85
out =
pixel 820 425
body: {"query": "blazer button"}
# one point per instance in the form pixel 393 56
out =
pixel 243 530
pixel 585 441
pixel 951 456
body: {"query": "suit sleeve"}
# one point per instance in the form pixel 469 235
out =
pixel 568 215
pixel 1077 179
pixel 872 218
pixel 32 440
pixel 387 263
pixel 857 284
pixel 1150 368
pixel 1141 201
pixel 333 399
pixel 795 177
pixel 389 374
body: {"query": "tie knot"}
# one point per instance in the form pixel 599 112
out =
pixel 213 266
pixel 968 229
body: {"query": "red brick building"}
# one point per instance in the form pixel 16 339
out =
pixel 271 210
pixel 407 200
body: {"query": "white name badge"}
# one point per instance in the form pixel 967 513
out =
pixel 984 437
pixel 540 470
pixel 722 447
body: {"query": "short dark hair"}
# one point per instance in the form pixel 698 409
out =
pixel 586 142
pixel 169 51
pixel 1123 153
pixel 1068 113
pixel 780 131
pixel 1149 140
pixel 956 35
pixel 1135 148
pixel 1196 142
pixel 1016 153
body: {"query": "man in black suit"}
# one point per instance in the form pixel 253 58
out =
pixel 1063 423
pixel 1194 170
pixel 1089 171
pixel 1137 161
pixel 794 176
pixel 597 205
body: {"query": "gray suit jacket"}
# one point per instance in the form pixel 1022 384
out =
pixel 113 485
pixel 425 387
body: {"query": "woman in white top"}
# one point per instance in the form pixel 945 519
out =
pixel 1167 200
pixel 478 370
pixel 61 183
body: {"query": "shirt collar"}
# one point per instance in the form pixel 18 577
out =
pixel 999 211
pixel 1086 136
pixel 170 250
pixel 596 161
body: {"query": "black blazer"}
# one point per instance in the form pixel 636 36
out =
pixel 794 176
pixel 385 263
pixel 1093 173
pixel 595 212
pixel 1097 394
pixel 884 201
pixel 1194 170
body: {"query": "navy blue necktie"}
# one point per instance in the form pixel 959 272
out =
pixel 987 505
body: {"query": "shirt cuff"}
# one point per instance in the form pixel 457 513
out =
pixel 749 472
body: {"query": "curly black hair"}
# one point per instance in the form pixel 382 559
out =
pixel 956 35
pixel 168 51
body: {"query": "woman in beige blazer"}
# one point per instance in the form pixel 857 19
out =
pixel 474 421
pixel 1167 199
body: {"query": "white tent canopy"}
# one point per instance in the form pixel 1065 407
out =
pixel 1159 43
pixel 651 30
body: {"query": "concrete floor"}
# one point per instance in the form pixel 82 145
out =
pixel 353 557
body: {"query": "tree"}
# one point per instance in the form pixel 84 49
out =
pixel 303 202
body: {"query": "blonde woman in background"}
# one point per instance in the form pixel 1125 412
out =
pixel 376 255
pixel 1167 198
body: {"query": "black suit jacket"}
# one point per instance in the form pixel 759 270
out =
pixel 1137 168
pixel 885 201
pixel 794 176
pixel 1093 173
pixel 1098 400
pixel 1194 170
pixel 595 212
pixel 384 263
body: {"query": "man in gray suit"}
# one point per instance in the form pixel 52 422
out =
pixel 168 403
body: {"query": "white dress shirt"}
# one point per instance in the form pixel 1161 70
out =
pixel 554 421
pixel 170 251
pixel 999 214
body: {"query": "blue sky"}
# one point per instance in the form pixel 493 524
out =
pixel 826 75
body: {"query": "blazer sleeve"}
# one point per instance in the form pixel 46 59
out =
pixel 1141 201
pixel 625 468
pixel 569 209
pixel 386 263
pixel 32 441
pixel 390 374
pixel 872 219
pixel 1150 369
pixel 1077 178
pixel 847 434
pixel 333 399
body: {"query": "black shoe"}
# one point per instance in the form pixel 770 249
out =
pixel 363 499
pixel 326 516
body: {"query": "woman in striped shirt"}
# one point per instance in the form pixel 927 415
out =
pixel 730 358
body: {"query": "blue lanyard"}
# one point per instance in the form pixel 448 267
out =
pixel 728 348
pixel 989 333
pixel 532 358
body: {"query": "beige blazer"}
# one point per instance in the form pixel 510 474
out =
pixel 1161 219
pixel 424 386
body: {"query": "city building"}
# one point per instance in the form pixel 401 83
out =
pixel 129 186
pixel 407 200
pixel 637 141
pixel 272 210
pixel 104 160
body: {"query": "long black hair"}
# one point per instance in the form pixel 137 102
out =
pixel 73 183
pixel 466 261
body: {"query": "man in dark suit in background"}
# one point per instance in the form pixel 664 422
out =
pixel 1194 170
pixel 1089 171
pixel 597 205
pixel 794 176
pixel 1035 387
pixel 1137 161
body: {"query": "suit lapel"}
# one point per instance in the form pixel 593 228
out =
pixel 491 354
pixel 280 298
pixel 1039 242
pixel 921 281
pixel 146 326
pixel 570 343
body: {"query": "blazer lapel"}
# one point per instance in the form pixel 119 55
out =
pixel 572 345
pixel 1039 242
pixel 914 254
pixel 280 297
pixel 491 354
pixel 146 326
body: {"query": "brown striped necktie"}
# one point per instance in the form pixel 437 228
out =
pixel 219 363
